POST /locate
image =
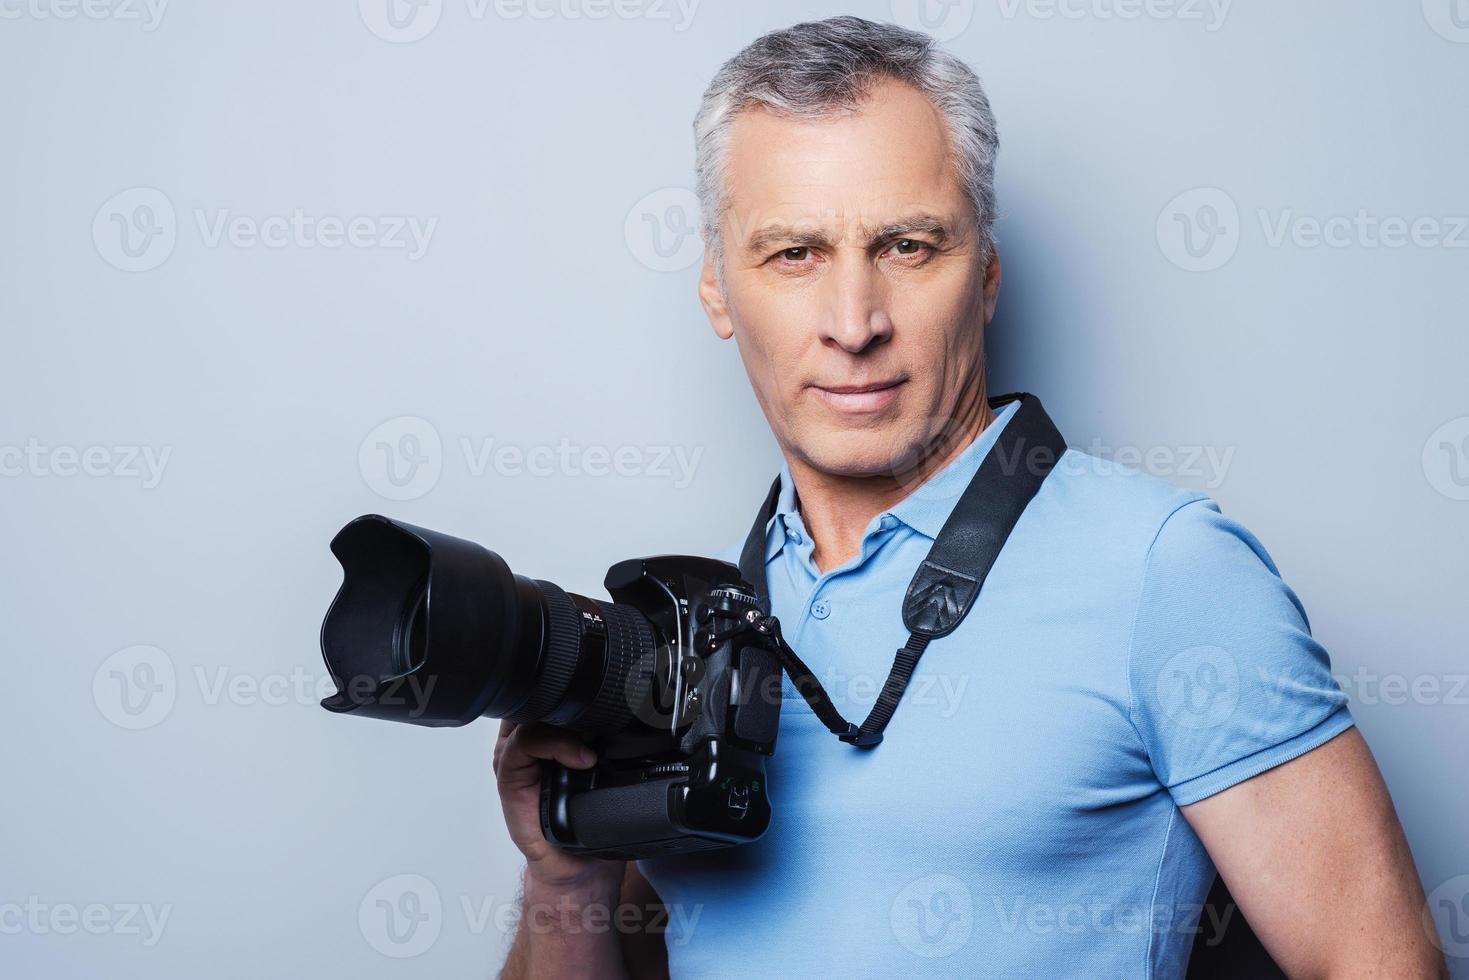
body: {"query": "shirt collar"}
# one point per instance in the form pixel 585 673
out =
pixel 926 507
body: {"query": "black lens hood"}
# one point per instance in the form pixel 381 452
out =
pixel 457 662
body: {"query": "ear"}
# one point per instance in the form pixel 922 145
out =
pixel 991 285
pixel 713 297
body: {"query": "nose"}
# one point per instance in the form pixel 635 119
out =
pixel 856 316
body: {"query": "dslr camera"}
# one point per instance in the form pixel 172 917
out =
pixel 672 681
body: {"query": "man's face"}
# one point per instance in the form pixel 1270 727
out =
pixel 854 282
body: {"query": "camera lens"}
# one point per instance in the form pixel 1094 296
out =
pixel 434 630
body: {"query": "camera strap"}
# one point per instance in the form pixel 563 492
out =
pixel 948 579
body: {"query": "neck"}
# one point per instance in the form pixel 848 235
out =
pixel 836 509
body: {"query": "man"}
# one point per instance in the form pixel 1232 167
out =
pixel 1135 699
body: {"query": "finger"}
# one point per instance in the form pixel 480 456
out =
pixel 507 728
pixel 528 745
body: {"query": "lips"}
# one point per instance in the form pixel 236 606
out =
pixel 860 399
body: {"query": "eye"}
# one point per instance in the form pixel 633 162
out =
pixel 908 246
pixel 797 254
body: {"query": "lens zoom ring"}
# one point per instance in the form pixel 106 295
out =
pixel 562 643
pixel 629 641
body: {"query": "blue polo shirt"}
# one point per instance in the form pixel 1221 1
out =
pixel 1132 651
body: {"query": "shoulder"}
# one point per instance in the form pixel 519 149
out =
pixel 1165 532
pixel 1114 510
pixel 1224 679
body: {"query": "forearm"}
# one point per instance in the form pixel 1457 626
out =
pixel 565 931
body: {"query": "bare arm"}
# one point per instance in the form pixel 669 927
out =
pixel 579 916
pixel 558 934
pixel 1313 853
pixel 561 932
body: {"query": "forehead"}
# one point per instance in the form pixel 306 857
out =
pixel 888 158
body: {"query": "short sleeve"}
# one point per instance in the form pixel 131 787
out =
pixel 1226 680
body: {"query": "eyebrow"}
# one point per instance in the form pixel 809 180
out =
pixel 928 225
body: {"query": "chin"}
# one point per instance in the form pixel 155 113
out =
pixel 858 452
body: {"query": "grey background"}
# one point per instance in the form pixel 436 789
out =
pixel 263 824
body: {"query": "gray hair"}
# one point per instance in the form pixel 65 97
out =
pixel 824 67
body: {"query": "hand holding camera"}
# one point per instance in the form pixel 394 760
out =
pixel 519 753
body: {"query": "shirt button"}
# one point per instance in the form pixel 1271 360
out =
pixel 821 609
pixel 794 535
pixel 888 522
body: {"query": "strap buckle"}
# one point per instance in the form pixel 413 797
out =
pixel 856 736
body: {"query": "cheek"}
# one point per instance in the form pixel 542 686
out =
pixel 760 344
pixel 771 339
pixel 943 322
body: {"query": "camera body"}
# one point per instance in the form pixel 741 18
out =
pixel 689 774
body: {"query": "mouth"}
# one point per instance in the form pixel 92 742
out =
pixel 860 399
